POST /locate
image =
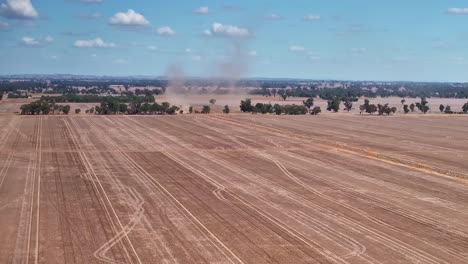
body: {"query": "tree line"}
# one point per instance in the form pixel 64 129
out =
pixel 247 107
pixel 93 98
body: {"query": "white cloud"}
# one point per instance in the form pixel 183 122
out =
pixel 203 10
pixel 295 48
pixel 130 18
pixel 19 9
pixel 218 29
pixel 312 18
pixel 152 47
pixel 187 50
pixel 458 11
pixel 93 43
pixel 252 53
pixel 165 31
pixel 207 32
pixel 29 41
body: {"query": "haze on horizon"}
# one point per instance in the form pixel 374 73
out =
pixel 352 40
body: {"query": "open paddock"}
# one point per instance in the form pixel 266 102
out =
pixel 233 189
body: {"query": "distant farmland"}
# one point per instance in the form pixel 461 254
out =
pixel 233 189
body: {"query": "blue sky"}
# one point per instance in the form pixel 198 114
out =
pixel 320 39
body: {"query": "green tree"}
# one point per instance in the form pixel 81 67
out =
pixel 66 109
pixel 123 108
pixel 465 108
pixel 283 94
pixel 277 109
pixel 372 109
pixel 246 106
pixel 308 103
pixel 206 109
pixel 226 109
pixel 212 101
pixel 77 111
pixel 348 104
pixel 411 107
pixel 316 110
pixel 448 109
pixel 190 109
pixel 406 109
pixel 422 106
pixel 334 105
pixel 441 108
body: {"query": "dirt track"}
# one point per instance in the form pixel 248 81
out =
pixel 233 189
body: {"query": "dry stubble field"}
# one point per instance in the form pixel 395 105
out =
pixel 233 189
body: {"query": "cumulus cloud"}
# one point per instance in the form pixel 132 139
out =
pixel 203 10
pixel 18 9
pixel 129 18
pixel 165 31
pixel 312 18
pixel 93 43
pixel 218 29
pixel 296 48
pixel 458 11
pixel 29 41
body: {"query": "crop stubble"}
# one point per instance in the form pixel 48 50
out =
pixel 233 189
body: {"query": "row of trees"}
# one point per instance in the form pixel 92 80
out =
pixel 448 109
pixel 92 98
pixel 43 107
pixel 134 108
pixel 247 107
pixel 369 90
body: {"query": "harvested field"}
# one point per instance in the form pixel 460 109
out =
pixel 233 189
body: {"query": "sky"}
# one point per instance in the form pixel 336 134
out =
pixel 398 40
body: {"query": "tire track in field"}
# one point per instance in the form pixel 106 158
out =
pixel 233 258
pixel 103 197
pixel 364 198
pixel 122 188
pixel 327 255
pixel 352 150
pixel 204 175
pixel 415 251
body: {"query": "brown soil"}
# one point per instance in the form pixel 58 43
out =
pixel 233 189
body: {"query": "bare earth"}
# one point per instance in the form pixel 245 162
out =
pixel 233 189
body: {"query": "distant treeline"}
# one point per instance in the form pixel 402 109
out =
pixel 354 91
pixel 92 98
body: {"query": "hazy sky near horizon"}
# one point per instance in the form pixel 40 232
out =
pixel 419 40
